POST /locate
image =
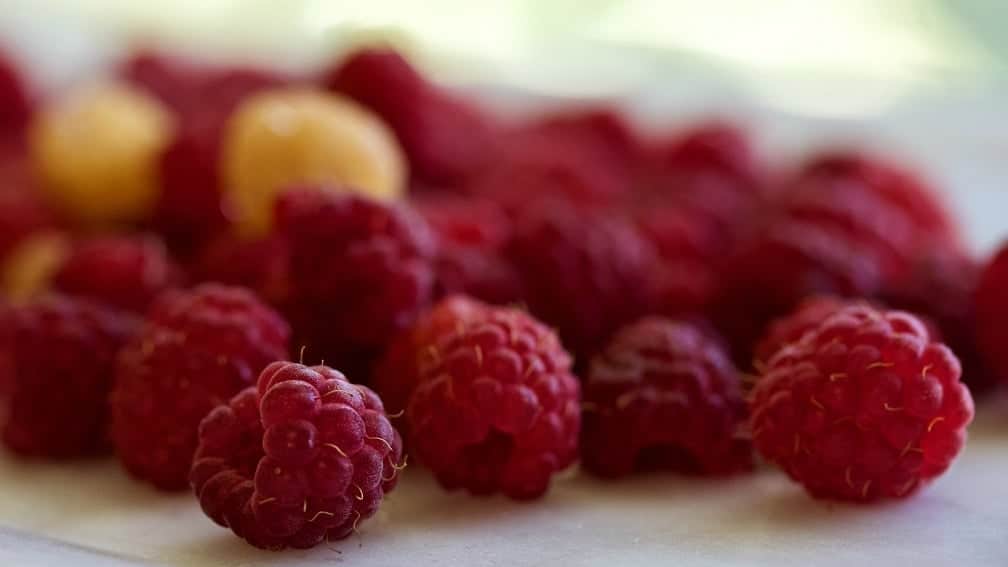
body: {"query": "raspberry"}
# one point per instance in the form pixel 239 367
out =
pixel 22 213
pixel 398 372
pixel 662 394
pixel 301 458
pixel 939 287
pixel 713 147
pixel 585 272
pixel 899 187
pixel 445 138
pixel 991 307
pixel 791 328
pixel 360 271
pixel 259 264
pixel 62 354
pixel 863 407
pixel 198 348
pixel 497 406
pixel 127 272
pixel 15 99
pixel 473 233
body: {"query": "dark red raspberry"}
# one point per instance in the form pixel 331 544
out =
pixel 809 314
pixel 360 271
pixel 782 264
pixel 303 457
pixel 714 147
pixel 663 395
pixel 61 354
pixel 497 407
pixel 586 273
pixel 473 234
pixel 127 272
pixel 444 137
pixel 899 187
pixel 23 211
pixel 398 372
pixel 864 407
pixel 15 100
pixel 939 288
pixel 990 304
pixel 197 349
pixel 259 264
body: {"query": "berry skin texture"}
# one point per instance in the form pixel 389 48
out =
pixel 863 407
pixel 587 273
pixel 663 395
pixel 497 407
pixel 198 348
pixel 360 271
pixel 301 458
pixel 61 357
pixel 991 307
pixel 791 328
pixel 127 272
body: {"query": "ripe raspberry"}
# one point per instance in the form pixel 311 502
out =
pixel 865 406
pixel 22 212
pixel 398 372
pixel 360 271
pixel 586 273
pixel 472 233
pixel 302 457
pixel 714 147
pixel 61 356
pixel 922 204
pixel 662 394
pixel 259 264
pixel 783 331
pixel 991 308
pixel 15 100
pixel 126 272
pixel 197 348
pixel 444 137
pixel 497 406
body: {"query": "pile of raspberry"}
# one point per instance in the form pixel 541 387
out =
pixel 540 291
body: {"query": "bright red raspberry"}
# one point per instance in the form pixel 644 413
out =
pixel 473 234
pixel 360 271
pixel 991 310
pixel 197 349
pixel 865 406
pixel 398 372
pixel 61 354
pixel 444 137
pixel 15 99
pixel 303 457
pixel 127 272
pixel 809 314
pixel 259 264
pixel 497 408
pixel 663 395
pixel 587 273
pixel 899 187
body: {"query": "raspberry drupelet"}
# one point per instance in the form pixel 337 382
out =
pixel 58 360
pixel 497 407
pixel 791 328
pixel 197 349
pixel 663 395
pixel 302 457
pixel 865 406
pixel 127 272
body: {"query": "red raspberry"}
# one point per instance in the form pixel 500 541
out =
pixel 791 328
pixel 782 264
pixel 61 356
pixel 303 457
pixel 127 272
pixel 586 273
pixel 260 265
pixel 22 212
pixel 922 204
pixel 473 233
pixel 15 100
pixel 398 372
pixel 662 394
pixel 360 271
pixel 939 287
pixel 197 349
pixel 497 406
pixel 865 406
pixel 714 147
pixel 990 305
pixel 444 137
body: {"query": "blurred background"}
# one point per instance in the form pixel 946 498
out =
pixel 922 78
